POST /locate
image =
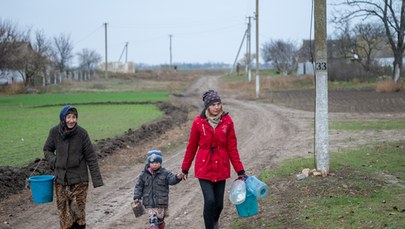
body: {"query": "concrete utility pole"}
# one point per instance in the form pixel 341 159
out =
pixel 170 50
pixel 126 52
pixel 106 59
pixel 257 50
pixel 321 74
pixel 249 52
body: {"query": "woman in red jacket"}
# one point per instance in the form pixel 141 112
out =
pixel 213 144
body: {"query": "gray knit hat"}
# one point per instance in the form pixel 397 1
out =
pixel 210 97
pixel 154 156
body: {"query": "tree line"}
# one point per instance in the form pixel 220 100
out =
pixel 381 30
pixel 37 57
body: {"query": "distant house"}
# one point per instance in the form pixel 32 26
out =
pixel 12 66
pixel 383 55
pixel 119 67
pixel 9 76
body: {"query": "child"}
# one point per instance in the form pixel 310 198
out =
pixel 152 187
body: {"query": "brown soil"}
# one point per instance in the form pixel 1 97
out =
pixel 268 133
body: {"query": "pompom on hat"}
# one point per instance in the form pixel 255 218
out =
pixel 210 97
pixel 154 156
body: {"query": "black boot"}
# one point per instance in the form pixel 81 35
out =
pixel 77 226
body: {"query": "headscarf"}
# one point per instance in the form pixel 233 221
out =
pixel 64 112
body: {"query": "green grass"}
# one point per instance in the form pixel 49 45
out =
pixel 24 130
pixel 24 126
pixel 72 98
pixel 365 189
pixel 368 125
pixel 354 84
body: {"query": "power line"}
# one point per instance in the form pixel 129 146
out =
pixel 89 35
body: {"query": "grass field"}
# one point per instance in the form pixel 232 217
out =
pixel 68 98
pixel 24 127
pixel 365 188
pixel 368 125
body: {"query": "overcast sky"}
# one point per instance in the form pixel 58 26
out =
pixel 202 30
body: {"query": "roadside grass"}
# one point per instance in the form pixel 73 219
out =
pixel 114 84
pixel 368 125
pixel 365 189
pixel 272 82
pixel 24 130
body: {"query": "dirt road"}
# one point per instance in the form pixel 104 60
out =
pixel 267 134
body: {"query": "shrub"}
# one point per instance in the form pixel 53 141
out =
pixel 388 85
pixel 13 89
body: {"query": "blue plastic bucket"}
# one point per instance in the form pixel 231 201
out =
pixel 249 207
pixel 41 188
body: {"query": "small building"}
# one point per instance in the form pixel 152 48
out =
pixel 119 67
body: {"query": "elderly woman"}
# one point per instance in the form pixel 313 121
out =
pixel 70 154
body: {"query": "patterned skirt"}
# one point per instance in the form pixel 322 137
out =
pixel 71 204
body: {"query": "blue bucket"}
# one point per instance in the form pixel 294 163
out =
pixel 41 188
pixel 249 207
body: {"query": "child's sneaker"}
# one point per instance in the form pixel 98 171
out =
pixel 162 225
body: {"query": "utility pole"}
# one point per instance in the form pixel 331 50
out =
pixel 170 50
pixel 249 52
pixel 126 53
pixel 106 59
pixel 321 81
pixel 257 50
pixel 240 47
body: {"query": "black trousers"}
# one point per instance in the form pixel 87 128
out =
pixel 213 193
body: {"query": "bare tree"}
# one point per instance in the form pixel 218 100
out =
pixel 344 42
pixel 390 13
pixel 62 51
pixel 42 57
pixel 88 59
pixel 246 59
pixel 11 40
pixel 370 37
pixel 282 55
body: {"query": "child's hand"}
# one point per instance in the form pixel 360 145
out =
pixel 180 176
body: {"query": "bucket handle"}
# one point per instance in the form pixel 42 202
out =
pixel 27 184
pixel 242 177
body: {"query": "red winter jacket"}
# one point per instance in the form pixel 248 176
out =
pixel 215 149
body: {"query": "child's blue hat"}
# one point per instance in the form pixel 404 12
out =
pixel 154 156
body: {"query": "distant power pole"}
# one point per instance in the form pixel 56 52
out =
pixel 249 52
pixel 106 59
pixel 126 53
pixel 170 50
pixel 257 50
pixel 321 103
